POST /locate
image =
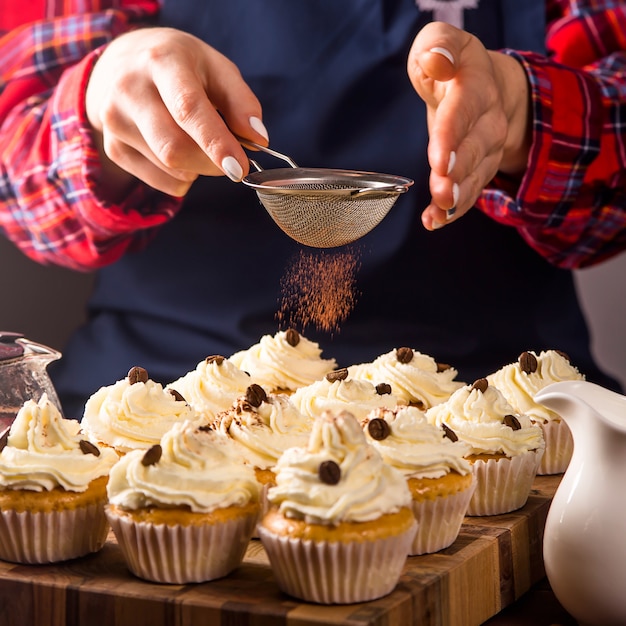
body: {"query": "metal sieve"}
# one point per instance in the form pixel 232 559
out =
pixel 323 208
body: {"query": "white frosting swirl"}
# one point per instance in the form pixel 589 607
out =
pixel 128 416
pixel 43 452
pixel 477 418
pixel 198 469
pixel 520 388
pixel 276 364
pixel 416 447
pixel 359 397
pixel 212 386
pixel 420 381
pixel 367 489
pixel 266 431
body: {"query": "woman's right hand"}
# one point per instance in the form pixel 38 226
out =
pixel 164 106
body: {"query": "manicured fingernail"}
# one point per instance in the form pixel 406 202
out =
pixel 232 169
pixel 455 198
pixel 452 161
pixel 437 225
pixel 259 127
pixel 444 52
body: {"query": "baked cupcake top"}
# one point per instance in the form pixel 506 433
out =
pixel 409 442
pixel 338 392
pixel 44 451
pixel 522 380
pixel 337 477
pixel 263 425
pixel 284 361
pixel 133 413
pixel 193 467
pixel 212 386
pixel 414 377
pixel 480 415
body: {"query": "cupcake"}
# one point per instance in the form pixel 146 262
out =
pixel 184 510
pixel 212 386
pixel 52 488
pixel 439 478
pixel 263 426
pixel 505 446
pixel 133 413
pixel 337 392
pixel 415 378
pixel 340 525
pixel 521 381
pixel 284 362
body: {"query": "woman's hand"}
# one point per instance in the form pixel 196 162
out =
pixel 162 105
pixel 478 116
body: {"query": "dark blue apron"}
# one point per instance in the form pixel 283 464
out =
pixel 331 77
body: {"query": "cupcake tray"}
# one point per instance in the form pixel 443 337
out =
pixel 492 563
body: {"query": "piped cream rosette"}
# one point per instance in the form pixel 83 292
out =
pixel 521 381
pixel 133 413
pixel 506 446
pixel 415 378
pixel 340 524
pixel 184 510
pixel 439 477
pixel 284 362
pixel 52 488
pixel 212 386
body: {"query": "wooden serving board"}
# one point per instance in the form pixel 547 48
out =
pixel 492 563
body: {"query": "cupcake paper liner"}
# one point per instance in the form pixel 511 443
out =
pixel 335 572
pixel 439 521
pixel 182 554
pixel 50 537
pixel 503 485
pixel 559 447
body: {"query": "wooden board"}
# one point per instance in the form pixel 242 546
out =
pixel 492 563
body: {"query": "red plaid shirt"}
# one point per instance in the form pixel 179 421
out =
pixel 570 205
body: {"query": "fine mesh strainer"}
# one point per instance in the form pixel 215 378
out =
pixel 323 208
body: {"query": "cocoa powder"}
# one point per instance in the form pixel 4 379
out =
pixel 319 289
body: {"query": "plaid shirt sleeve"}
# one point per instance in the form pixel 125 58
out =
pixel 570 205
pixel 49 204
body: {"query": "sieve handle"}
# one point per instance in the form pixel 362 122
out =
pixel 246 143
pixel 391 189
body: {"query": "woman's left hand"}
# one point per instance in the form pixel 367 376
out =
pixel 478 116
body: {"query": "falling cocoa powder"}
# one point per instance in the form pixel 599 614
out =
pixel 319 289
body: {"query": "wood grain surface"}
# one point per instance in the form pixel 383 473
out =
pixel 492 563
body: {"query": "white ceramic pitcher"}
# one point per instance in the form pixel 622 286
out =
pixel 584 545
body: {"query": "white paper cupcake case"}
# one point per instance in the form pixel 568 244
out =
pixel 439 521
pixel 50 537
pixel 503 485
pixel 333 572
pixel 182 554
pixel 559 447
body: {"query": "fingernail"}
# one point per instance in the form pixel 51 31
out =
pixel 258 126
pixel 455 198
pixel 444 52
pixel 232 169
pixel 437 225
pixel 452 161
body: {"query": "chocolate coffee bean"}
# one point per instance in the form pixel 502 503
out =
pixel 292 337
pixel 152 455
pixel 86 447
pixel 378 429
pixel 528 362
pixel 255 395
pixel 341 374
pixel 512 422
pixel 137 375
pixel 177 395
pixel 4 438
pixel 449 433
pixel 404 355
pixel 329 473
pixel 215 358
pixel 442 367
pixel 481 384
pixel 383 389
